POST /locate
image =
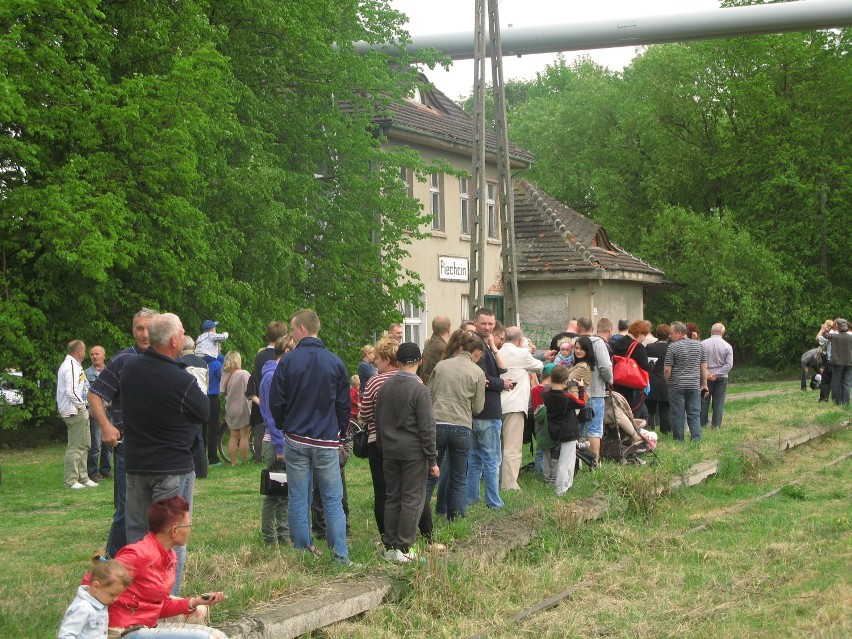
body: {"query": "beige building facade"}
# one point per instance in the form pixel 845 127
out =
pixel 567 266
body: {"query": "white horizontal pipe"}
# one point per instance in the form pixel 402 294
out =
pixel 805 15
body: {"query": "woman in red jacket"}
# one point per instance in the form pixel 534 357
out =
pixel 152 562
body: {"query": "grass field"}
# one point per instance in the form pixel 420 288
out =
pixel 673 583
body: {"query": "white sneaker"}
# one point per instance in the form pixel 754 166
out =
pixel 76 486
pixel 88 484
pixel 411 555
pixel 396 556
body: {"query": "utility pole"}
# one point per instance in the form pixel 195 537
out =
pixel 476 297
pixel 505 195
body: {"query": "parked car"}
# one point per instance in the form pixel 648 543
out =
pixel 11 395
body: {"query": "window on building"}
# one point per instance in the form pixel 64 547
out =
pixel 465 307
pixel 495 303
pixel 406 177
pixel 491 204
pixel 412 322
pixel 464 206
pixel 436 201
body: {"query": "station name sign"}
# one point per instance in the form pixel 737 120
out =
pixel 453 269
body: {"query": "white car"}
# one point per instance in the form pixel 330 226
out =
pixel 11 395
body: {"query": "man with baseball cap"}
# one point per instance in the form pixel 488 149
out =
pixel 405 429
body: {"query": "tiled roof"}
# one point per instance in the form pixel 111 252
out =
pixel 438 116
pixel 551 237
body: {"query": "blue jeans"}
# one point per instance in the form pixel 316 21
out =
pixel 118 531
pixel 144 490
pixel 594 428
pixel 453 442
pixel 484 462
pixel 98 453
pixel 685 406
pixel 303 464
pixel 717 392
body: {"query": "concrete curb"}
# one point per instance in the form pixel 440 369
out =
pixel 336 602
pixel 345 600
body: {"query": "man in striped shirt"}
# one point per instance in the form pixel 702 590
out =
pixel 686 374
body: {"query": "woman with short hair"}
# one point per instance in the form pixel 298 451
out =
pixel 147 604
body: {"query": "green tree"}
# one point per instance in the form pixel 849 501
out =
pixel 211 159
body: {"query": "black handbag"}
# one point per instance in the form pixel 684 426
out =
pixel 359 435
pixel 273 483
pixel 586 414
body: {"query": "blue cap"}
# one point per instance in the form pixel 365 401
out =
pixel 208 324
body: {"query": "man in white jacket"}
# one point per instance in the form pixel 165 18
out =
pixel 71 388
pixel 515 403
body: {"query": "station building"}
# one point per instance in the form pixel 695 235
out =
pixel 567 266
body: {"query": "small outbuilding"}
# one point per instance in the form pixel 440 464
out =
pixel 568 267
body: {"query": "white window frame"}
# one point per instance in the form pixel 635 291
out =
pixel 413 321
pixel 464 205
pixel 491 206
pixel 465 307
pixel 436 201
pixel 406 177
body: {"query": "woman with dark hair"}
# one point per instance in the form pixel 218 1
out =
pixel 657 401
pixel 457 386
pixel 636 333
pixel 138 611
pixel 584 362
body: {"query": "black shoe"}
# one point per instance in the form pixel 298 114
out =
pixel 106 475
pixel 96 477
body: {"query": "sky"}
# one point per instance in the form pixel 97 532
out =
pixel 429 17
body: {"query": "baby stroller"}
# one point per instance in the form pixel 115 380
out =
pixel 625 440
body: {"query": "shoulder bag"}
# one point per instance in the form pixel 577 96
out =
pixel 626 371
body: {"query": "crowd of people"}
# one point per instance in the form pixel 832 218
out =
pixel 453 417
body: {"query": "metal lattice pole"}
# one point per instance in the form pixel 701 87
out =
pixel 477 244
pixel 507 200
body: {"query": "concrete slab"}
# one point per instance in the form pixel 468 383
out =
pixel 290 619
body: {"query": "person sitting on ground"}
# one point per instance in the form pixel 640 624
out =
pixel 562 424
pixel 145 610
pixel 87 617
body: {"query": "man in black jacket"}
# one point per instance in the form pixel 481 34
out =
pixel 485 445
pixel 163 407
